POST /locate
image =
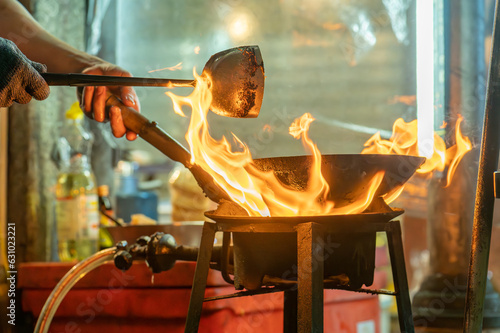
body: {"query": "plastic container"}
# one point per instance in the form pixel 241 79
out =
pixel 129 199
pixel 189 203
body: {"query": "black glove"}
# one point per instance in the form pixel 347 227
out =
pixel 19 77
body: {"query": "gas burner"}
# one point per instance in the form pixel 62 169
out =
pixel 266 247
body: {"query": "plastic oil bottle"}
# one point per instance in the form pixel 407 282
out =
pixel 77 215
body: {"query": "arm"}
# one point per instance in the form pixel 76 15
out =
pixel 39 45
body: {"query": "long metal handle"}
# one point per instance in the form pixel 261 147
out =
pixel 485 198
pixel 159 139
pixel 83 80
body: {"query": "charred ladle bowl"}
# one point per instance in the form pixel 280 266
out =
pixel 237 82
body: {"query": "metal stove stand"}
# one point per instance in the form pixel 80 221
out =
pixel 303 303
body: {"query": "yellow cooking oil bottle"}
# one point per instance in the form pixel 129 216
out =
pixel 77 215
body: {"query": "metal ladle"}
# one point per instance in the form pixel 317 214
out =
pixel 237 89
pixel 237 81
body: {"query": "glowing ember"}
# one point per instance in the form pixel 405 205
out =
pixel 259 193
pixel 333 26
pixel 173 68
pixel 405 99
pixel 267 128
pixel 404 142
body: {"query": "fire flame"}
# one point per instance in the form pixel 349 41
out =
pixel 404 142
pixel 262 194
pixel 259 193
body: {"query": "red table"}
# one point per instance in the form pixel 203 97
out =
pixel 109 300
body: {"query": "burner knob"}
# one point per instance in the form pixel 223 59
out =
pixel 143 240
pixel 161 252
pixel 122 245
pixel 123 260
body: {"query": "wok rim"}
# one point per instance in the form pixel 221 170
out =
pixel 340 218
pixel 360 156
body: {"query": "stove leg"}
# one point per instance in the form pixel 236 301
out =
pixel 310 267
pixel 200 277
pixel 396 253
pixel 290 311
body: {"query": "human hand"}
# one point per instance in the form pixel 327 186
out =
pixel 94 99
pixel 20 78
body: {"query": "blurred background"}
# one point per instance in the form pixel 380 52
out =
pixel 350 64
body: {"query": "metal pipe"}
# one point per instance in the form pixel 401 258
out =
pixel 485 199
pixel 84 80
pixel 4 122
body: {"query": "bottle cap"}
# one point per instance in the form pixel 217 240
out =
pixel 74 112
pixel 103 191
pixel 126 168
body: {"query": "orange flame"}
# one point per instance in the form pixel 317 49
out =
pixel 259 193
pixel 462 146
pixel 403 141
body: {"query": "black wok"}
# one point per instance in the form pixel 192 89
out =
pixel 347 175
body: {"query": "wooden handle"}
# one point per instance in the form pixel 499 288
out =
pixel 158 138
pixel 149 131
